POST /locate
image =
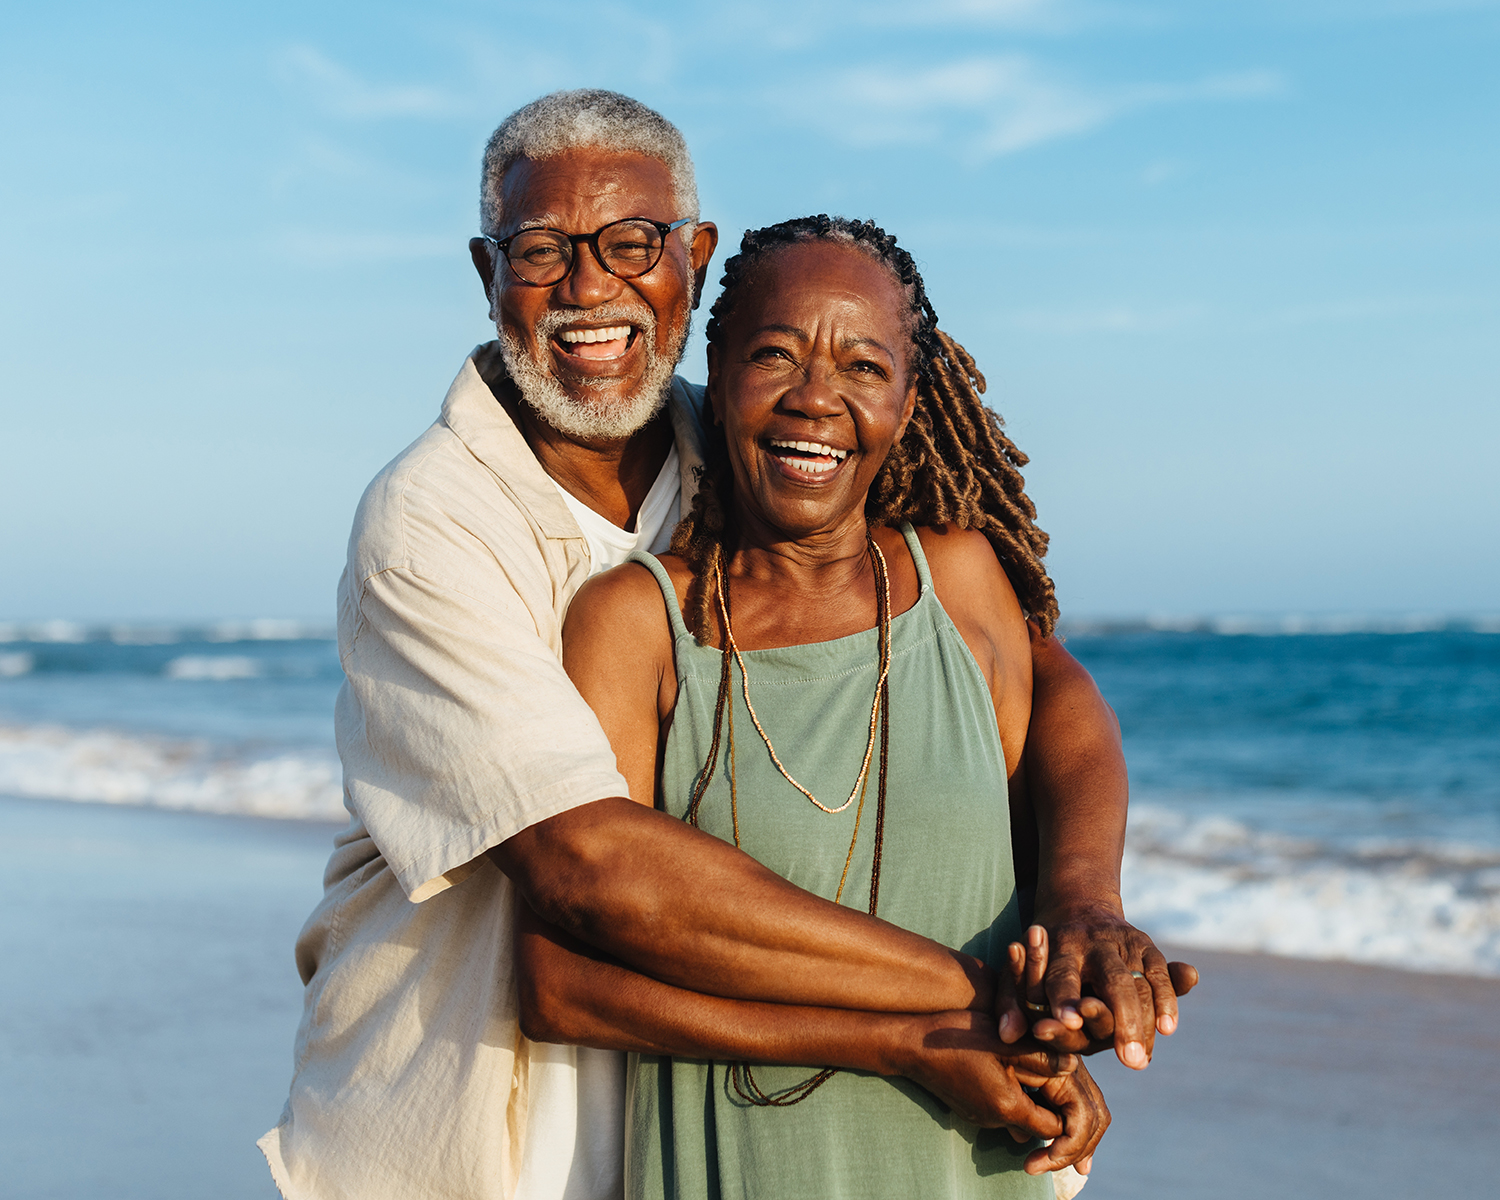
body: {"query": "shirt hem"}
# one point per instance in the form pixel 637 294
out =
pixel 270 1146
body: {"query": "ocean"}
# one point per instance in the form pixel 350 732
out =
pixel 1314 789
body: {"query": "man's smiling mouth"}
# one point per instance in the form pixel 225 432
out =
pixel 606 341
pixel 809 459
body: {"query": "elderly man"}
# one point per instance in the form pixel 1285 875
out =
pixel 476 777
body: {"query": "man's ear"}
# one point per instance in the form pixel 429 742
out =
pixel 483 255
pixel 705 241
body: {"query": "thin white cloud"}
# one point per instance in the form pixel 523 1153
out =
pixel 1120 318
pixel 343 93
pixel 342 248
pixel 1013 14
pixel 997 105
pixel 1355 310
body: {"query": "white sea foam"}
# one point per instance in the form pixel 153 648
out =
pixel 50 762
pixel 1210 881
pixel 13 666
pixel 212 667
pixel 261 629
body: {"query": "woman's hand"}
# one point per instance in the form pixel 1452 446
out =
pixel 1077 1100
pixel 958 1058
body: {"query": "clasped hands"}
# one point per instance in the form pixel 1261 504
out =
pixel 1096 983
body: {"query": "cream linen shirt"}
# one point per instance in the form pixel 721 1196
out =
pixel 457 728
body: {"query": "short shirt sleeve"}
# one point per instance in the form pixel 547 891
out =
pixel 458 727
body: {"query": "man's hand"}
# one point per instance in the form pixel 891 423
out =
pixel 1096 982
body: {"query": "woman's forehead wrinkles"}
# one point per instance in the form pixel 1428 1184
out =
pixel 852 342
pixel 778 327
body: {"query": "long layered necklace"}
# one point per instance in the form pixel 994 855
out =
pixel 739 1073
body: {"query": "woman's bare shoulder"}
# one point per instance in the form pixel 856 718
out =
pixel 618 614
pixel 967 576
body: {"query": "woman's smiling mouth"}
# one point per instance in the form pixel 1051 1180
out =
pixel 806 460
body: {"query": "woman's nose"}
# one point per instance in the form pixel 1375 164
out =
pixel 816 396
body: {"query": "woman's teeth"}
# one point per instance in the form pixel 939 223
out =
pixel 610 333
pixel 821 458
pixel 811 448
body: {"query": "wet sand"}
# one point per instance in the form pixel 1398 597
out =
pixel 1293 1078
pixel 149 998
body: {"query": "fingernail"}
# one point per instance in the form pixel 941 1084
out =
pixel 1167 1024
pixel 1135 1054
pixel 1034 936
pixel 1084 1165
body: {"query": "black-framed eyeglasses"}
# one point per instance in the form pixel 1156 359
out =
pixel 626 249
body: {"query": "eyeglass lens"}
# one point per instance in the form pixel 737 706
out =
pixel 627 249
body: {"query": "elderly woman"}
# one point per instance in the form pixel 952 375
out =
pixel 844 696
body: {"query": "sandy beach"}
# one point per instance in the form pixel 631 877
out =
pixel 149 1002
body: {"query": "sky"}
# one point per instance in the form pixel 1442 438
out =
pixel 1232 270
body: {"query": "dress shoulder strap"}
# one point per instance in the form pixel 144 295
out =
pixel 914 544
pixel 669 593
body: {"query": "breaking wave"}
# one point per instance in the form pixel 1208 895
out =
pixel 1216 882
pixel 99 766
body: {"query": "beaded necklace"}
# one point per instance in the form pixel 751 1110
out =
pixel 739 1072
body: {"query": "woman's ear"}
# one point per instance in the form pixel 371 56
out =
pixel 907 408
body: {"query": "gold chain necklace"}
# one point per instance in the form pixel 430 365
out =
pixel 883 602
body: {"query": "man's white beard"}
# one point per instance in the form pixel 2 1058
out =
pixel 594 419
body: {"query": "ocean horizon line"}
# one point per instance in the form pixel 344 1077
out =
pixel 63 631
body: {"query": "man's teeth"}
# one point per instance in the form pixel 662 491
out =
pixel 811 448
pixel 609 333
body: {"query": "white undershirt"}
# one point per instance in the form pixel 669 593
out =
pixel 609 545
pixel 575 1138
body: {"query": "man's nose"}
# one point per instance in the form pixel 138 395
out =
pixel 587 285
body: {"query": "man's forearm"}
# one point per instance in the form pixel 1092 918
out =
pixel 1077 783
pixel 688 909
pixel 575 995
pixel 578 996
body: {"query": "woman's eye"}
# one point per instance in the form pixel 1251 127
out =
pixel 767 353
pixel 864 366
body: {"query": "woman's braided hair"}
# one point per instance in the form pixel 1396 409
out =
pixel 953 466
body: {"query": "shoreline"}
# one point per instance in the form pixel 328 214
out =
pixel 153 1001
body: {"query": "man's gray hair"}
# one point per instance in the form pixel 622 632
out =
pixel 586 117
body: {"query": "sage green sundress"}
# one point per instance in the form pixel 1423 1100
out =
pixel 946 872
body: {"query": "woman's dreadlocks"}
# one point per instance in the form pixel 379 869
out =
pixel 953 466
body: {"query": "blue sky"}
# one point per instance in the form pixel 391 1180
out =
pixel 1233 270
